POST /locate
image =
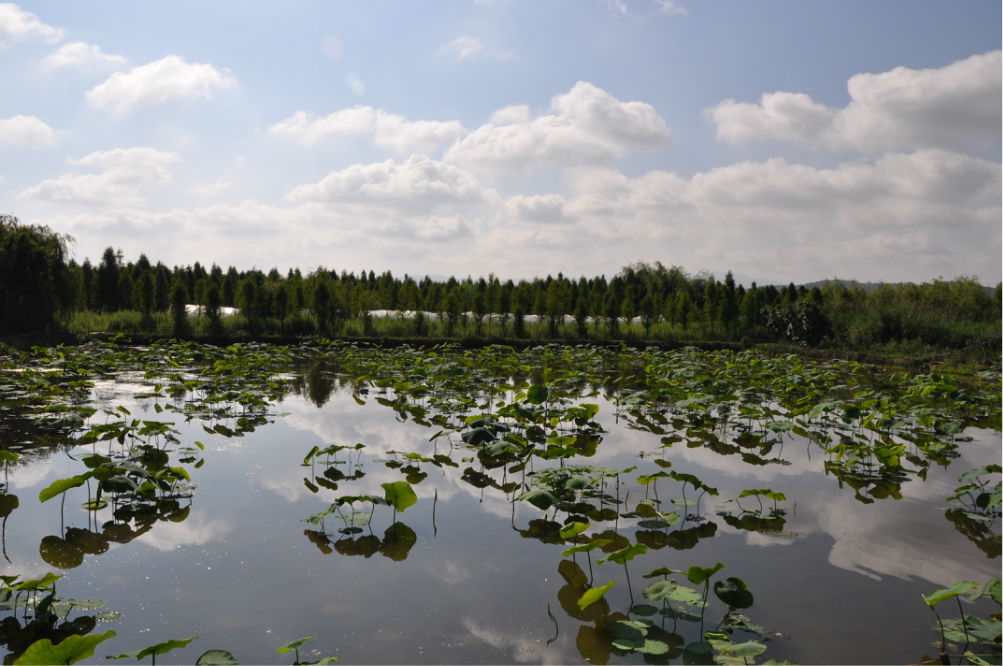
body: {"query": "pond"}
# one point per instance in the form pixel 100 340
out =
pixel 548 505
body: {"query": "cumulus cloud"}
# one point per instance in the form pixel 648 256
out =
pixel 81 53
pixel 437 228
pixel 538 208
pixel 25 131
pixel 125 172
pixel 157 82
pixel 388 130
pixel 16 22
pixel 463 48
pixel 418 184
pixel 902 216
pixel 903 108
pixel 779 116
pixel 586 124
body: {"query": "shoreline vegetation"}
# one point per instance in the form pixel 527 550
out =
pixel 44 295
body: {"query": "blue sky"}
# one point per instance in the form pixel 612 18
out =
pixel 783 141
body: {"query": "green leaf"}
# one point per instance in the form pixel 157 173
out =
pixel 593 595
pixel 537 395
pixel 697 575
pixel 216 658
pixel 60 486
pixel 573 530
pixel 653 647
pixel 698 652
pixel 311 454
pixel 625 554
pixel 747 650
pixel 943 595
pixel 733 593
pixel 991 589
pixel 399 494
pixel 36 584
pixel 586 547
pixel 541 499
pixel 294 645
pixel 69 651
pixel 973 659
pixel 669 589
pixel 7 456
pixel 159 648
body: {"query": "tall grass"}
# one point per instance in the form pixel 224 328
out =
pixel 863 325
pixel 129 321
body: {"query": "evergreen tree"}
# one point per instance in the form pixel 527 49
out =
pixel 711 302
pixel 247 300
pixel 454 306
pixel 213 303
pixel 611 313
pixel 684 309
pixel 558 298
pixel 144 296
pixel 179 313
pixel 582 315
pixel 107 281
pixel 280 301
pixel 729 304
pixel 321 303
pixel 504 308
pixel 628 308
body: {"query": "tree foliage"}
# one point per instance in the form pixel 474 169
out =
pixel 36 285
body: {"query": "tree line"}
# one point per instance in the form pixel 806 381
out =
pixel 642 300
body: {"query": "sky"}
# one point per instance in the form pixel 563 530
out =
pixel 785 141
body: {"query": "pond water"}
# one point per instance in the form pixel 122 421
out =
pixel 469 572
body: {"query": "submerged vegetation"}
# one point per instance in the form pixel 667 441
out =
pixel 518 424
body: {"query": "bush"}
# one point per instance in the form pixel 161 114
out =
pixel 802 323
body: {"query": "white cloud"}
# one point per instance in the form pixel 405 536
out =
pixel 538 208
pixel 903 216
pixel 19 23
pixel 670 7
pixel 440 228
pixel 25 131
pixel 615 6
pixel 587 124
pixel 926 108
pixel 157 82
pixel 902 108
pixel 80 53
pixel 779 116
pixel 389 130
pixel 419 136
pixel 418 184
pixel 524 648
pixel 125 171
pixel 197 529
pixel 463 47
